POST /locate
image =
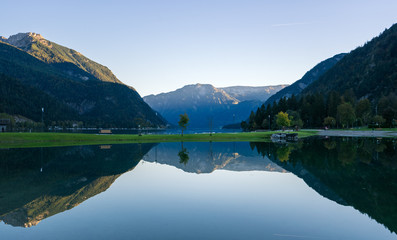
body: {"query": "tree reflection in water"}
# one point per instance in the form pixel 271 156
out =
pixel 36 183
pixel 183 155
pixel 360 172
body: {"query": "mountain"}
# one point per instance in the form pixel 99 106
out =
pixel 17 98
pixel 360 90
pixel 245 93
pixel 67 90
pixel 58 55
pixel 204 103
pixel 200 102
pixel 307 79
pixel 369 71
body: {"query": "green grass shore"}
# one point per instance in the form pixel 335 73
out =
pixel 24 140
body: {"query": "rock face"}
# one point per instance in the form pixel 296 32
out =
pixel 202 102
pixel 311 76
pixel 25 40
pixel 191 95
pixel 207 105
pixel 245 93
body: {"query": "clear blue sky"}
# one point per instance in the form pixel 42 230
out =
pixel 161 45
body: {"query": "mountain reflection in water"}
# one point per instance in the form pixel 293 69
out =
pixel 204 157
pixel 38 183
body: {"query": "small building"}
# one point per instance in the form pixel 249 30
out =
pixel 3 124
pixel 105 131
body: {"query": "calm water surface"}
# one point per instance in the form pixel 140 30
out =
pixel 335 188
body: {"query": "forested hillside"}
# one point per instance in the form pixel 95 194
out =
pixel 359 90
pixel 30 84
pixel 63 58
pixel 311 76
pixel 369 71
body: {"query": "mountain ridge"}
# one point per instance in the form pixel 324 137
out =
pixel 369 71
pixel 50 52
pixel 247 93
pixel 205 104
pixel 95 102
pixel 359 90
pixel 308 78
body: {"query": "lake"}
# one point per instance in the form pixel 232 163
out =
pixel 316 188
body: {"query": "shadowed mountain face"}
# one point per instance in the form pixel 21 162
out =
pixel 40 182
pixel 369 71
pixel 207 105
pixel 358 172
pixel 311 76
pixel 69 86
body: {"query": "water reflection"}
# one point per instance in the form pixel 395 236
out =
pixel 183 155
pixel 206 157
pixel 360 172
pixel 38 183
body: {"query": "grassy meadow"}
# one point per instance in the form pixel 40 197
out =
pixel 22 140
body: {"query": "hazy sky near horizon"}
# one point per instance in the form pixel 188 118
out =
pixel 161 45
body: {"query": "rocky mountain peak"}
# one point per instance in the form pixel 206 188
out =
pixel 50 52
pixel 196 86
pixel 203 102
pixel 210 91
pixel 24 40
pixel 247 93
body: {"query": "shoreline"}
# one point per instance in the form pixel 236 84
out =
pixel 357 133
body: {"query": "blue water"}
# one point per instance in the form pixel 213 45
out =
pixel 212 191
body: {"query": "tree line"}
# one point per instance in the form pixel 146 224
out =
pixel 319 111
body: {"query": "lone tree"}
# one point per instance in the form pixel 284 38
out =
pixel 183 121
pixel 282 120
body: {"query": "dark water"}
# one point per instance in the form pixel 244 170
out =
pixel 336 188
